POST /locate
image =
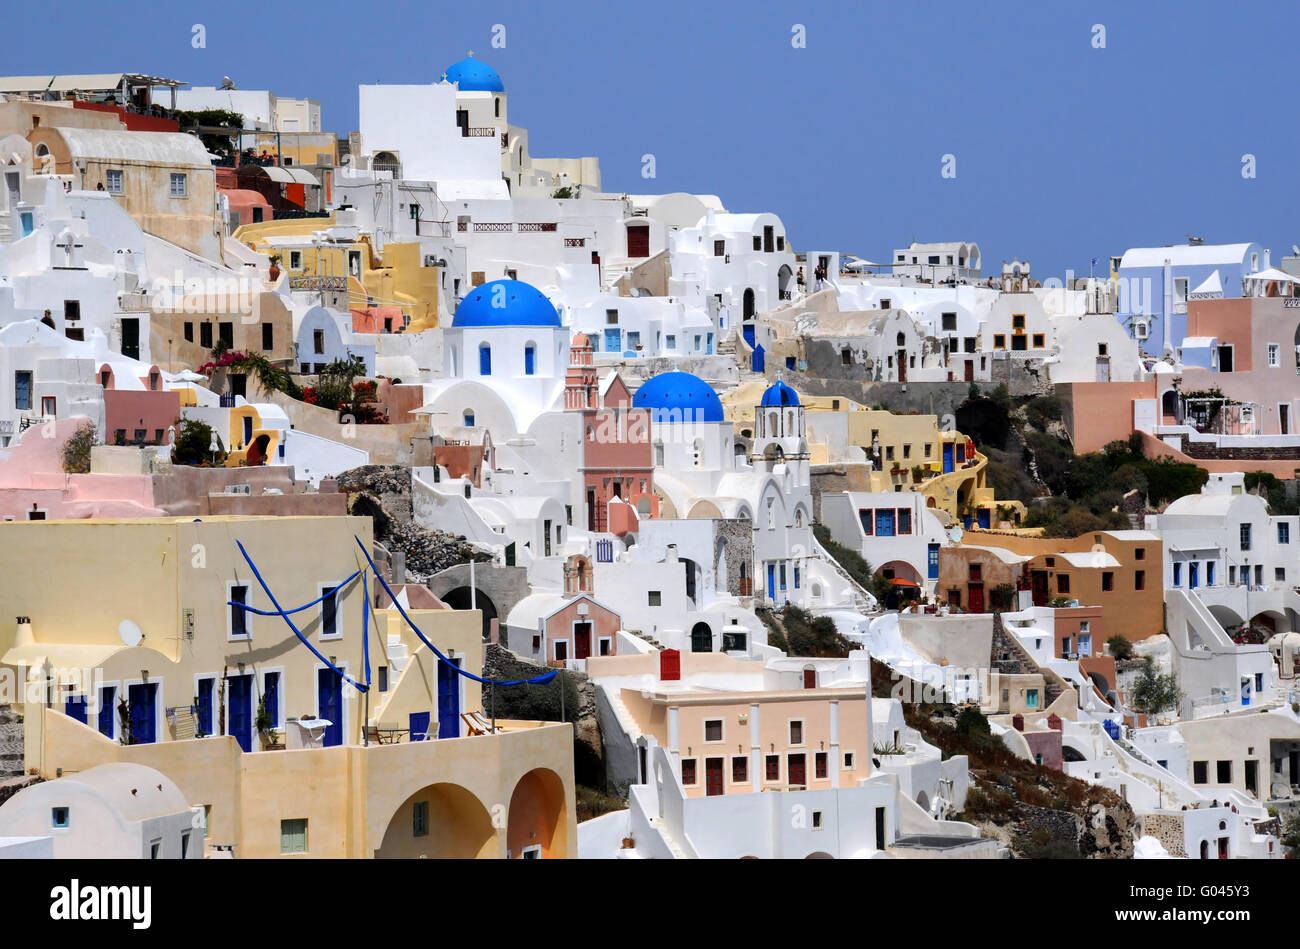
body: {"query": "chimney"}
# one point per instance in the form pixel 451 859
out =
pixel 399 567
pixel 1018 722
pixel 23 634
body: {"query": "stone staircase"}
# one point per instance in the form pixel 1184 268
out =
pixel 398 657
pixel 646 637
pixel 861 598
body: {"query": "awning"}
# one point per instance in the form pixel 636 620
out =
pixel 900 582
pixel 1210 288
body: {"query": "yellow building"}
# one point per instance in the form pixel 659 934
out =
pixel 396 278
pixel 151 663
pixel 907 452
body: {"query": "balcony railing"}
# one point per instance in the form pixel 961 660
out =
pixel 575 242
pixel 492 228
pixel 536 228
pixel 467 132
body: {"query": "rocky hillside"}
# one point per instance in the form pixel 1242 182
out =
pixel 383 493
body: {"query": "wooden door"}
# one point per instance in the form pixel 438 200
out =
pixel 713 785
pixel 796 770
pixel 638 240
pixel 810 678
pixel 975 598
pixel 581 640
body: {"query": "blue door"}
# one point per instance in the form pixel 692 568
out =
pixel 771 581
pixel 747 331
pixel 485 360
pixel 142 698
pixel 75 707
pixel 947 457
pixel 983 515
pixel 26 221
pixel 419 726
pixel 884 522
pixel 708 344
pixel 107 696
pixel 206 687
pixel 329 699
pixel 248 429
pixel 448 700
pixel 932 562
pixel 1193 575
pixel 759 360
pixel 241 710
pixel 613 339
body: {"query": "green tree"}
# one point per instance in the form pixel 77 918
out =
pixel 1155 691
pixel 1120 648
pixel 76 450
pixel 193 443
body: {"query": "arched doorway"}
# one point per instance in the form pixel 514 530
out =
pixel 748 305
pixel 535 827
pixel 783 281
pixel 701 638
pixel 439 821
pixel 1169 408
pixel 459 599
pixel 923 801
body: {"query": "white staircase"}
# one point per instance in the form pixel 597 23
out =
pixel 398 656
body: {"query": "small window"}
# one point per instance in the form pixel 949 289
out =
pixel 848 761
pixel 293 836
pixel 113 181
pixel 1139 580
pixel 1139 553
pixel 950 322
pixel 185 845
pixel 178 185
pixel 1284 533
pixel 1201 772
pixel 713 729
pixel 1107 580
pixel 420 819
pixel 796 733
pixel 59 817
pixel 295 260
pixel 821 765
pixel 1038 341
pixel 772 767
pixel 1018 321
pixel 189 332
pixel 1062 583
pixel 268 336
pixel 1223 772
pixel 999 341
pixel 688 771
pixel 739 770
pixel 238 615
pixel 1273 361
pixel 654 598
pixel 816 820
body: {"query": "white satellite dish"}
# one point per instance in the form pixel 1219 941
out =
pixel 129 633
pixel 955 534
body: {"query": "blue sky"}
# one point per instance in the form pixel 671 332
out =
pixel 1064 152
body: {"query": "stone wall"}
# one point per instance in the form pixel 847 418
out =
pixel 738 535
pixel 11 742
pixel 837 477
pixel 1168 829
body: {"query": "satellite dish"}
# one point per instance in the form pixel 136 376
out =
pixel 129 633
pixel 955 534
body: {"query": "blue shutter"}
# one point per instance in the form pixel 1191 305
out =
pixel 75 707
pixel 485 360
pixel 205 706
pixel 142 698
pixel 419 727
pixel 241 710
pixel 448 700
pixel 932 555
pixel 271 695
pixel 329 697
pixel 530 359
pixel 107 697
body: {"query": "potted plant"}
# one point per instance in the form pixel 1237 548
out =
pixel 265 727
pixel 917 474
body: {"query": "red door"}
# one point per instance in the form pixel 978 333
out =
pixel 638 240
pixel 1039 579
pixel 810 678
pixel 970 370
pixel 670 665
pixel 581 640
pixel 975 598
pixel 713 777
pixel 902 365
pixel 796 771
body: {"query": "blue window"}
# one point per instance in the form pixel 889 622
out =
pixel 59 816
pixel 22 390
pixel 867 516
pixel 782 574
pixel 1245 536
pixel 469 419
pixel 485 360
pixel 796 578
pixel 961 452
pixel 75 707
pixel 106 710
pixel 1031 698
pixel 789 362
pixel 206 688
pixel 708 346
pixel 530 359
pixel 904 521
pixel 26 219
pixel 1178 574
pixel 885 522
pixel 238 617
pixel 1193 575
pixel 932 562
pixel 271 696
pixel 329 612
pixel 1284 533
pixel 1209 573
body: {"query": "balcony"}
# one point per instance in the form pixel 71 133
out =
pixel 468 132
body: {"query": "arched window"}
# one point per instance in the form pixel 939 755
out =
pixel 902 339
pixel 485 360
pixel 530 359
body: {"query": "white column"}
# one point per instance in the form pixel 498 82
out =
pixel 864 754
pixel 672 730
pixel 755 750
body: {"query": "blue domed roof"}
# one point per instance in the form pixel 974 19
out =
pixel 780 394
pixel 474 76
pixel 679 397
pixel 506 303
